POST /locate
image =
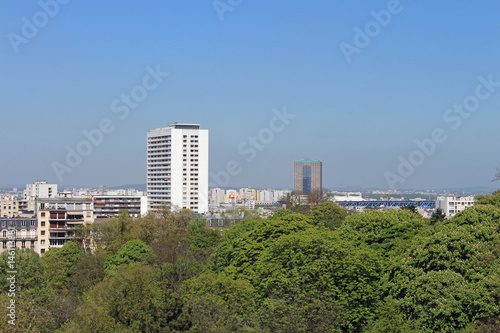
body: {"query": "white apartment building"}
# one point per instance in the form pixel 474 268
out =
pixel 454 205
pixel 217 197
pixel 280 194
pixel 40 189
pixel 266 195
pixel 177 167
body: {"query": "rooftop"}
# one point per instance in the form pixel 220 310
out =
pixel 307 160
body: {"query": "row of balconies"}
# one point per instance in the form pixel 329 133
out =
pixel 19 238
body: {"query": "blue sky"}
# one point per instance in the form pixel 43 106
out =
pixel 360 117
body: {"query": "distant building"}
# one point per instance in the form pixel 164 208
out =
pixel 453 205
pixel 177 167
pixel 10 206
pixel 278 195
pixel 231 196
pixel 40 189
pixel 217 197
pixel 19 233
pixel 350 196
pixel 266 195
pixel 307 176
pixel 109 206
pixel 249 194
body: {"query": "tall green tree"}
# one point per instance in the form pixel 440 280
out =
pixel 131 252
pixel 59 266
pixel 328 214
pixel 437 216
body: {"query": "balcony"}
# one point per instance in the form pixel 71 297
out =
pixel 19 238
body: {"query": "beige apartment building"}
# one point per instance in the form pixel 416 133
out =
pixel 11 207
pixel 57 219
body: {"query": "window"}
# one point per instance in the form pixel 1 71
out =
pixel 42 242
pixel 23 244
pixel 4 234
pixel 43 214
pixel 42 251
pixel 43 223
pixel 32 223
pixel 4 245
pixel 43 232
pixel 23 223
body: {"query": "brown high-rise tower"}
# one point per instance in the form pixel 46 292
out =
pixel 307 176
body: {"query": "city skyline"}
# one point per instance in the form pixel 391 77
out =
pixel 388 94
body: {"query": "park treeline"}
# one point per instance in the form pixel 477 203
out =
pixel 326 270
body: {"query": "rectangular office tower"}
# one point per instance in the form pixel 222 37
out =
pixel 307 176
pixel 177 169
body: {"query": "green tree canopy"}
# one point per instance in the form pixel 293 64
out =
pixel 382 231
pixel 328 214
pixel 244 249
pixel 131 252
pixel 451 277
pixel 130 300
pixel 59 265
pixel 316 262
pixel 218 303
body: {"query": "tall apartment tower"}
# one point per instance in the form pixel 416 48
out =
pixel 307 176
pixel 177 171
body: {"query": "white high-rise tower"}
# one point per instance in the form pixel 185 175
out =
pixel 178 167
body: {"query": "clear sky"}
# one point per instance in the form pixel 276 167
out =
pixel 360 82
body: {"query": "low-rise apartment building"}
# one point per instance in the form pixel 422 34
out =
pixel 453 205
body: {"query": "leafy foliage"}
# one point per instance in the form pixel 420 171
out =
pixel 325 271
pixel 451 277
pixel 383 231
pixel 59 266
pixel 328 214
pixel 131 252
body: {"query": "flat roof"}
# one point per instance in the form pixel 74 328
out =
pixel 305 160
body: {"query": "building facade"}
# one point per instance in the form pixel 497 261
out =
pixel 58 218
pixel 40 189
pixel 20 233
pixel 453 205
pixel 177 167
pixel 11 207
pixel 217 196
pixel 307 176
pixel 109 206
